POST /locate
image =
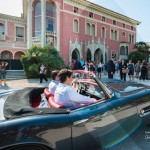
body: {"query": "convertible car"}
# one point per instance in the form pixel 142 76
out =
pixel 121 110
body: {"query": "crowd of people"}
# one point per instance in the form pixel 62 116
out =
pixel 96 67
pixel 140 70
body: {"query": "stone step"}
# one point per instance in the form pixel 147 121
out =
pixel 15 74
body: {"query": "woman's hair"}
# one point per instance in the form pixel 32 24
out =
pixel 54 74
pixel 63 74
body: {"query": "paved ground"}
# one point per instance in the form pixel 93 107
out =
pixel 21 83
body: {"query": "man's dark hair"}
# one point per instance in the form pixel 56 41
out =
pixel 54 74
pixel 63 74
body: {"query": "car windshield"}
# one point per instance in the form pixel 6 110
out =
pixel 102 87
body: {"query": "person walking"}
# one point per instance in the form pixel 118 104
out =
pixel 131 70
pixel 3 72
pixel 42 71
pixel 111 67
pixel 122 66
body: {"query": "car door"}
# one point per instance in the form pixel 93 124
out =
pixel 143 106
pixel 103 125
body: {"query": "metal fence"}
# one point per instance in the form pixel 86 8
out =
pixel 13 64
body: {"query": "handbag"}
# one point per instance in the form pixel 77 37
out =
pixel 125 70
pixel 1 70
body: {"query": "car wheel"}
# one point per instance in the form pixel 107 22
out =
pixel 28 147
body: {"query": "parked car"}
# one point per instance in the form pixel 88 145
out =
pixel 102 125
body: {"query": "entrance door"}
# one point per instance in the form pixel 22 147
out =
pixel 88 57
pixel 75 55
pixel 98 55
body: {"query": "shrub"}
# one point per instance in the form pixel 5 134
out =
pixel 37 55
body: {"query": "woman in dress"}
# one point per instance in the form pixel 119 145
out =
pixel 99 69
pixel 131 70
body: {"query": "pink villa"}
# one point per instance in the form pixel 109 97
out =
pixel 76 28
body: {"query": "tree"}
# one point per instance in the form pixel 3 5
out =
pixel 37 55
pixel 143 48
pixel 135 56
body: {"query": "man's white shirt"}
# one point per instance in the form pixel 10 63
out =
pixel 52 86
pixel 68 97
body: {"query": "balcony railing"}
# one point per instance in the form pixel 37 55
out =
pixel 51 33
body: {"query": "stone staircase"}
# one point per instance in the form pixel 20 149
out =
pixel 15 74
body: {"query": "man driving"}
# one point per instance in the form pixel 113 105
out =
pixel 67 95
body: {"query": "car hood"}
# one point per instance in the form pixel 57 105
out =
pixel 125 88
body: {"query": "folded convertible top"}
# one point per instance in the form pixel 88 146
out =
pixel 19 104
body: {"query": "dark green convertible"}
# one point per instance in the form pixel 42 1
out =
pixel 118 114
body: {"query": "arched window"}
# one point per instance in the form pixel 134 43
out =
pixel 50 17
pixel 112 34
pixel 93 29
pixel 103 32
pixel 76 26
pixel 37 19
pixel 123 34
pixel 88 29
pixel 126 50
pixel 132 39
pixel 122 50
pixel 2 28
pixel 116 37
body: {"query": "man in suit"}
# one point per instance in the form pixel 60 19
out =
pixel 77 65
pixel 111 67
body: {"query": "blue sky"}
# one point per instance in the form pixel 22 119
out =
pixel 136 9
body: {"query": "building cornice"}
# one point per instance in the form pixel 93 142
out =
pixel 12 18
pixel 102 11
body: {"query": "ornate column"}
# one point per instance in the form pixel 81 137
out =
pixel 104 59
pixel 92 49
pixel 43 23
pixel 58 26
pixel 6 27
pixel 29 24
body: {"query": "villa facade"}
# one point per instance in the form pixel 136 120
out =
pixel 76 28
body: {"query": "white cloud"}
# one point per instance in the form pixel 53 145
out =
pixel 11 7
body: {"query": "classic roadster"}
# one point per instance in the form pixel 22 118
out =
pixel 121 110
